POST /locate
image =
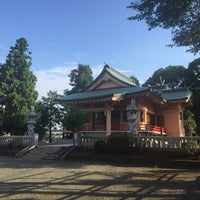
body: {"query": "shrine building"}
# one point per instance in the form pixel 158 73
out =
pixel 105 101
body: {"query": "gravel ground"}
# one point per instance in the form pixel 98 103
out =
pixel 74 179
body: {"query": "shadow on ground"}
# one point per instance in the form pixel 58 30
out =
pixel 87 175
pixel 173 160
pixel 98 182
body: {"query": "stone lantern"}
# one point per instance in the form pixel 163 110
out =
pixel 132 117
pixel 31 120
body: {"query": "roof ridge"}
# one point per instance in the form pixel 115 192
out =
pixel 107 68
pixel 175 90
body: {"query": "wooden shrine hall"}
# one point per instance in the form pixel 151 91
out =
pixel 105 100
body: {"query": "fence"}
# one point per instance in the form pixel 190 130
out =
pixel 17 140
pixel 87 139
pixel 167 142
pixel 148 142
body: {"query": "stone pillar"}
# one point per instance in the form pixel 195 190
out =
pixel 108 122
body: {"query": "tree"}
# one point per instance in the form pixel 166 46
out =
pixel 80 78
pixel 193 74
pixel 74 119
pixel 49 114
pixel 193 81
pixel 135 80
pixel 189 122
pixel 181 17
pixel 17 83
pixel 42 118
pixel 173 76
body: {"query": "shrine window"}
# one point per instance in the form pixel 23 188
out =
pixel 160 120
pixel 115 118
pixel 151 119
pixel 87 117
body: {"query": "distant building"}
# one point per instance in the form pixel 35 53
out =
pixel 160 110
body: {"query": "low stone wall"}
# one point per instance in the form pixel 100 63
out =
pixel 16 140
pixel 168 143
pixel 147 142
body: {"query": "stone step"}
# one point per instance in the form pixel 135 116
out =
pixel 44 152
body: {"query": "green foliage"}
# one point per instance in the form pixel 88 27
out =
pixel 49 113
pixel 192 147
pixel 74 119
pixel 135 80
pixel 193 75
pixel 189 122
pixel 196 109
pixel 80 78
pixel 100 146
pixel 173 76
pixel 181 17
pixel 193 81
pixel 17 83
pixel 179 76
pixel 119 143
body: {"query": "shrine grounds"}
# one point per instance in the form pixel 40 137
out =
pixel 89 177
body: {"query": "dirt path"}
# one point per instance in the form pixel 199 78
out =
pixel 91 180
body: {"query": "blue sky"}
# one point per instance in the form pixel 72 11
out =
pixel 63 33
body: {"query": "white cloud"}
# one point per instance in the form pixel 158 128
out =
pixel 96 70
pixel 56 79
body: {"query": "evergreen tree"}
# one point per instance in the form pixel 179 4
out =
pixel 80 78
pixel 193 78
pixel 17 83
pixel 135 80
pixel 173 76
pixel 189 122
pixel 49 114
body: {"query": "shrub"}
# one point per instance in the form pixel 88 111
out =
pixel 100 146
pixel 120 143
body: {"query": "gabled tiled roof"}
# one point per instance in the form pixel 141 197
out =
pixel 166 95
pixel 98 94
pixel 176 94
pixel 119 75
pixel 113 73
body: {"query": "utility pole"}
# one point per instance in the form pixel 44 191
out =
pixel 50 120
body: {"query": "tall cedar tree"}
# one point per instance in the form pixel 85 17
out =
pixel 17 83
pixel 80 78
pixel 181 17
